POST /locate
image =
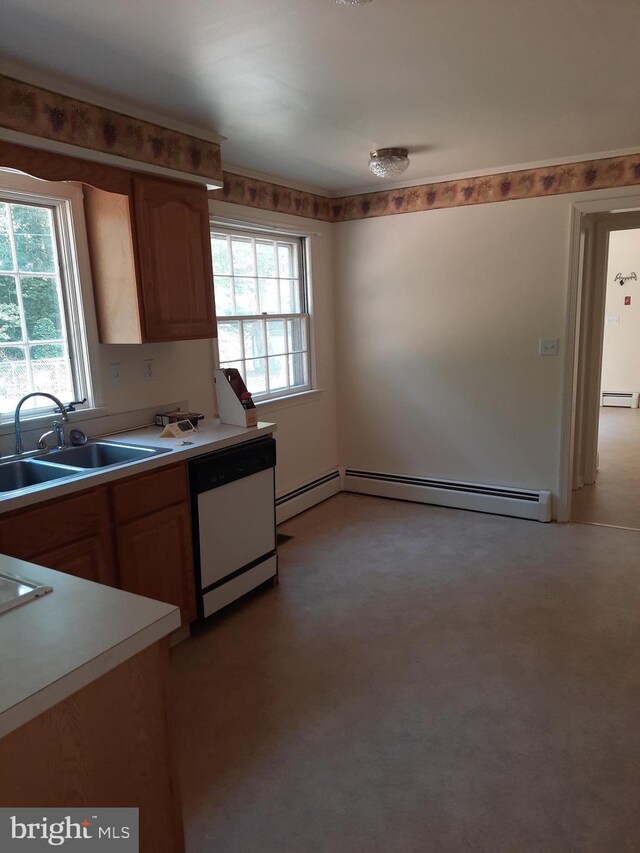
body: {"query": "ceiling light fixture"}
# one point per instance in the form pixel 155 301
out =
pixel 388 162
pixel 352 2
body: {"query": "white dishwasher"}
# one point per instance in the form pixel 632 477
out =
pixel 234 523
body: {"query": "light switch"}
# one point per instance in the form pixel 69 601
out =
pixel 549 346
pixel 115 374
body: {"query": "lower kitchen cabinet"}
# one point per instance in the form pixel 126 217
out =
pixel 134 534
pixel 72 534
pixel 91 559
pixel 154 557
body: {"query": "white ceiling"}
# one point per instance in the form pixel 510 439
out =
pixel 303 89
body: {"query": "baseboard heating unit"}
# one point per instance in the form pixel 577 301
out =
pixel 500 500
pixel 627 401
pixel 307 495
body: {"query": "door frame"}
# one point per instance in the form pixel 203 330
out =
pixel 591 224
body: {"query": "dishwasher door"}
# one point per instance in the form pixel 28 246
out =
pixel 237 525
pixel 234 522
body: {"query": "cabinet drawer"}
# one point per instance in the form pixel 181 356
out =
pixel 49 526
pixel 148 493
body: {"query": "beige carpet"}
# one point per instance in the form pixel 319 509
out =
pixel 423 680
pixel 615 497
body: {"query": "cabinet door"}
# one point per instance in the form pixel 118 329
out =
pixel 91 559
pixel 155 558
pixel 174 252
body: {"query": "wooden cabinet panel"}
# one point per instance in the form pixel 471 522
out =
pixel 91 559
pixel 174 252
pixel 155 558
pixel 151 261
pixel 110 745
pixel 46 527
pixel 147 493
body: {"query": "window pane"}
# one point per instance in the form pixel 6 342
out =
pixel 275 337
pixel 239 365
pixel 51 370
pixel 278 373
pixel 266 257
pixel 290 296
pixel 10 328
pixel 254 338
pixel 11 354
pixel 14 377
pixel 256 376
pixel 298 369
pixel 242 256
pixel 229 345
pixel 285 261
pixel 220 256
pixel 42 308
pixel 34 238
pixel 246 296
pixel 269 295
pixel 6 260
pixel 297 334
pixel 224 296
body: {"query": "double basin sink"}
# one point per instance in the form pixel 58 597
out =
pixel 71 462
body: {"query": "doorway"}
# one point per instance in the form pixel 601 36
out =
pixel 605 475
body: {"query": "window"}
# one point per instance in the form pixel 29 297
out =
pixel 262 307
pixel 42 339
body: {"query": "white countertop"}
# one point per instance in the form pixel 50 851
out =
pixel 53 646
pixel 211 436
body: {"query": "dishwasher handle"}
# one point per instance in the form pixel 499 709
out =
pixel 225 466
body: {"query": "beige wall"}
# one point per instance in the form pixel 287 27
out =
pixel 439 318
pixel 307 428
pixel 621 352
pixel 182 371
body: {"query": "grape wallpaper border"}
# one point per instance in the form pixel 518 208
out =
pixel 32 110
pixel 38 112
pixel 606 173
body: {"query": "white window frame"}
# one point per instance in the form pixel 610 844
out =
pixel 65 199
pixel 277 234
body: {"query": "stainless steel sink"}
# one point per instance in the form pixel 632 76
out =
pixel 30 472
pixel 71 462
pixel 102 454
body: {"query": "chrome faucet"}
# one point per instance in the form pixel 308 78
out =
pixel 58 426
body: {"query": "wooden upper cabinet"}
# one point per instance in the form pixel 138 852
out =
pixel 174 247
pixel 151 261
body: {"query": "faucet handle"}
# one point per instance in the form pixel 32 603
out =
pixel 71 407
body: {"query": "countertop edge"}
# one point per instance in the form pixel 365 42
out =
pixel 202 445
pixel 32 706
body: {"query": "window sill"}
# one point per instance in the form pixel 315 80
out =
pixel 290 400
pixel 43 419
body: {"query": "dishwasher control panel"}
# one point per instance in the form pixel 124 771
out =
pixel 225 466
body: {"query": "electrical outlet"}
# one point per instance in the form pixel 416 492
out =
pixel 147 369
pixel 115 374
pixel 549 346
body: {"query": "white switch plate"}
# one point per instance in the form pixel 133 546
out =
pixel 115 373
pixel 549 346
pixel 613 320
